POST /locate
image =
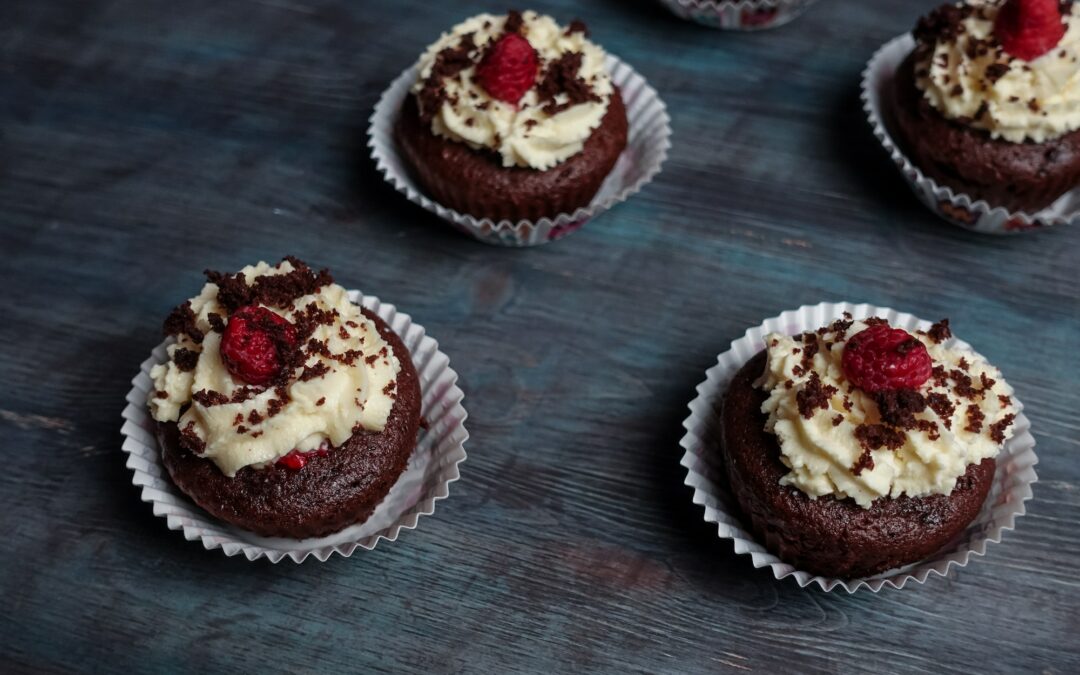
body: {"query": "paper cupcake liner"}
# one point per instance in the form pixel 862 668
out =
pixel 955 207
pixel 432 466
pixel 738 14
pixel 1012 481
pixel 646 149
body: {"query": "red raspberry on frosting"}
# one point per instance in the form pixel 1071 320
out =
pixel 252 342
pixel 1027 29
pixel 508 68
pixel 883 358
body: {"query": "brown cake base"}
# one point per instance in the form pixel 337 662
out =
pixel 329 493
pixel 476 183
pixel 1018 176
pixel 826 536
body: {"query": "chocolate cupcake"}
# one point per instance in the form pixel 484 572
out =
pixel 988 103
pixel 284 408
pixel 861 448
pixel 512 118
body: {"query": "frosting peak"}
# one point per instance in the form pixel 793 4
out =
pixel 342 379
pixel 838 440
pixel 966 75
pixel 553 119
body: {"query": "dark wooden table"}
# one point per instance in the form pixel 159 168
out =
pixel 143 141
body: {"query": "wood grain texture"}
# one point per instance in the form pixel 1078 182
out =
pixel 142 141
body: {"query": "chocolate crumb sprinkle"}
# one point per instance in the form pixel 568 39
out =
pixel 185 359
pixel 877 436
pixel 940 331
pixel 941 405
pixel 208 398
pixel 975 419
pixel 865 461
pixel 998 429
pixel 814 395
pixel 181 321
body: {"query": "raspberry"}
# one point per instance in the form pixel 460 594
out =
pixel 883 358
pixel 508 68
pixel 1027 29
pixel 251 347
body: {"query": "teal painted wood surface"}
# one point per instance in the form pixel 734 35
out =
pixel 142 141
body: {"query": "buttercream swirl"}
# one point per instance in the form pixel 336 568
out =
pixel 965 74
pixel 968 414
pixel 525 134
pixel 240 426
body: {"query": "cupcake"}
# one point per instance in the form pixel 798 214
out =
pixel 988 102
pixel 746 15
pixel 512 118
pixel 861 447
pixel 283 408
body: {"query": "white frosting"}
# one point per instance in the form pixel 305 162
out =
pixel 1033 100
pixel 321 409
pixel 524 134
pixel 822 451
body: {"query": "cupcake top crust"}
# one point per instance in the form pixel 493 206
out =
pixel 883 414
pixel 272 360
pixel 965 70
pixel 519 85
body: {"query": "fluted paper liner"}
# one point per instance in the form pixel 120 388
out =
pixel 432 466
pixel 647 146
pixel 1012 481
pixel 957 208
pixel 745 15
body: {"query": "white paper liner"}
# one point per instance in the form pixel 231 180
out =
pixel 431 468
pixel 745 15
pixel 647 146
pixel 955 207
pixel 1012 481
